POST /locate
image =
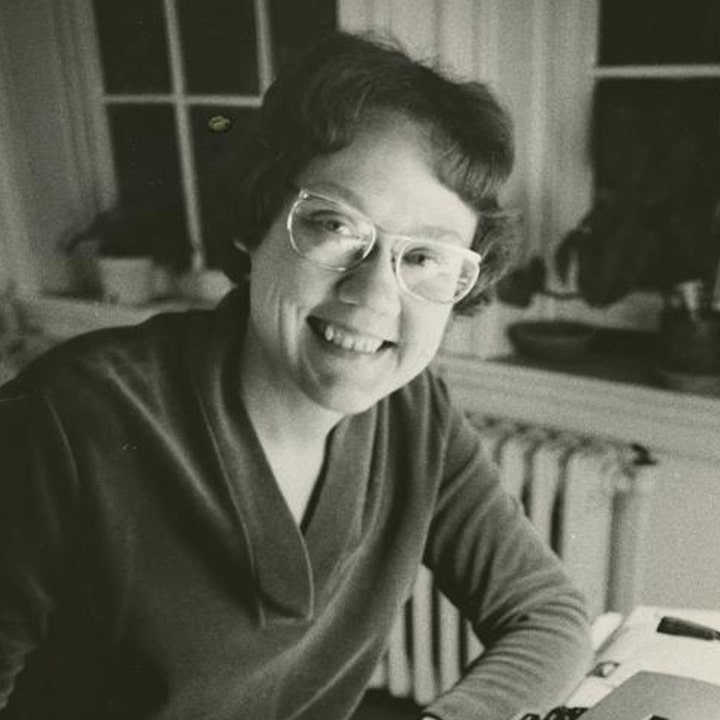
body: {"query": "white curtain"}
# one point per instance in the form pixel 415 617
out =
pixel 48 139
pixel 538 56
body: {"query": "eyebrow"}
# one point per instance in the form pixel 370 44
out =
pixel 350 198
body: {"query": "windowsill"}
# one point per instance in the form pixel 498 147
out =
pixel 615 355
pixel 62 316
pixel 618 402
pixel 628 357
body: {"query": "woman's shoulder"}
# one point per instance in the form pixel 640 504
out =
pixel 427 408
pixel 120 352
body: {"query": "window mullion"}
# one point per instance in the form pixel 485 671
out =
pixel 264 44
pixel 187 159
pixel 662 72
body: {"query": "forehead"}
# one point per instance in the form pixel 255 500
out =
pixel 387 173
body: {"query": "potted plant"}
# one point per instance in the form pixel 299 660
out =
pixel 128 242
pixel 655 219
pixel 654 224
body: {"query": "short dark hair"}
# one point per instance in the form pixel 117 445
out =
pixel 318 103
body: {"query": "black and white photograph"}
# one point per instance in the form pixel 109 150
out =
pixel 359 360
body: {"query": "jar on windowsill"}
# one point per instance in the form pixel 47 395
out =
pixel 689 350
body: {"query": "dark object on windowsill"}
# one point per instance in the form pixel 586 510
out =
pixel 690 341
pixel 522 283
pixel 654 219
pixel 689 351
pixel 551 340
pixel 149 228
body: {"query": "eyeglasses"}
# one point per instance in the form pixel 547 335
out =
pixel 334 235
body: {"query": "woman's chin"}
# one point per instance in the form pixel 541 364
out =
pixel 342 400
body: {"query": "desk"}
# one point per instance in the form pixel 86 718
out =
pixel 632 644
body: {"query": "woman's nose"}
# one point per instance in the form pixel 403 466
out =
pixel 373 284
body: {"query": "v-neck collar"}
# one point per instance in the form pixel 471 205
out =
pixel 290 569
pixel 336 526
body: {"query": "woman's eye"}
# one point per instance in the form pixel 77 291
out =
pixel 336 224
pixel 422 257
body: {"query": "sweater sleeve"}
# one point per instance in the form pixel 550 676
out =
pixel 487 558
pixel 35 468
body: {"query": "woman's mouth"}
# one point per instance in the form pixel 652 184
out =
pixel 347 339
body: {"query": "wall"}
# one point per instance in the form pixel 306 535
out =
pixel 679 558
pixel 48 189
pixel 683 568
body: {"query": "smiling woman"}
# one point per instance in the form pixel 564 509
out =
pixel 296 302
pixel 220 513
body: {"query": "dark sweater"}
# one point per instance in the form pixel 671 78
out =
pixel 149 567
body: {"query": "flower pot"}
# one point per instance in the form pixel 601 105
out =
pixel 126 280
pixel 688 343
pixel 208 286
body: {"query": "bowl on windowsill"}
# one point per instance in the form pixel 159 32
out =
pixel 551 340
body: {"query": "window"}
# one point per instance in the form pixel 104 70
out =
pixel 182 82
pixel 655 147
pixel 645 33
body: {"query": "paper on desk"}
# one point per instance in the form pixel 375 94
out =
pixel 648 696
pixel 636 646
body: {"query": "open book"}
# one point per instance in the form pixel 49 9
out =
pixel 636 647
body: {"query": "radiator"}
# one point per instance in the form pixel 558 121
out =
pixel 586 496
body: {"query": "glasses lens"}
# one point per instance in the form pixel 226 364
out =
pixel 437 272
pixel 328 234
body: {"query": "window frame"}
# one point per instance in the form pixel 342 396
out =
pixel 182 104
pixel 646 303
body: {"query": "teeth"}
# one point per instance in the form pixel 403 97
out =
pixel 350 341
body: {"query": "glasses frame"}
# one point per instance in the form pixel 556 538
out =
pixel 405 242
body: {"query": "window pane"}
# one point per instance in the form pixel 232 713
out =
pixel 640 32
pixel 215 142
pixel 133 46
pixel 146 159
pixel 657 157
pixel 299 23
pixel 219 41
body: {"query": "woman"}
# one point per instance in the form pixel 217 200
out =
pixel 219 514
